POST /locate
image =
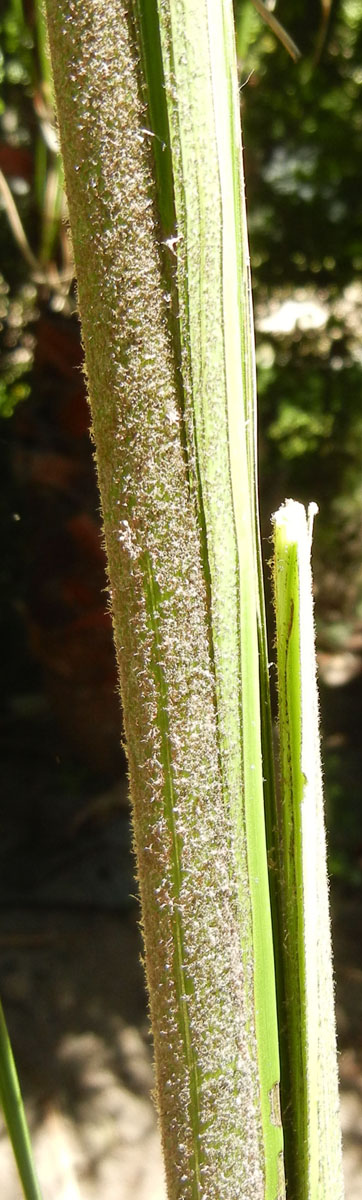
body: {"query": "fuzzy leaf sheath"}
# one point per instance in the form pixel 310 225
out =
pixel 216 1090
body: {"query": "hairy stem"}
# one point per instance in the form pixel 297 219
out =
pixel 165 312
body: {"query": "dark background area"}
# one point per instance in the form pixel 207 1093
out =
pixel 65 847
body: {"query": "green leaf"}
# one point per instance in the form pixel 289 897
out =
pixel 310 1106
pixel 12 1105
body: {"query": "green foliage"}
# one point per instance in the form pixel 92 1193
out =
pixel 16 74
pixel 303 148
pixel 16 345
pixel 31 193
pixel 12 1105
pixel 16 50
pixel 11 395
pixel 309 1083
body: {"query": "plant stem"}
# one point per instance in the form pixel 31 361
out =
pixel 175 457
pixel 12 1105
pixel 219 382
pixel 310 1106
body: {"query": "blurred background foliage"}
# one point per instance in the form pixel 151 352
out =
pixel 303 137
pixel 302 127
pixel 34 247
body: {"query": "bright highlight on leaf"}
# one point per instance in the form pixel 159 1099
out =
pixel 309 1068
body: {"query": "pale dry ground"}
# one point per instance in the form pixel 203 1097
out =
pixel 73 991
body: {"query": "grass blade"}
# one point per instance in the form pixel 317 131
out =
pixel 12 1105
pixel 310 1104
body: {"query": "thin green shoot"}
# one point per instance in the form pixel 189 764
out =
pixel 13 1109
pixel 309 1087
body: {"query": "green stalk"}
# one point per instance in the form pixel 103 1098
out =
pixel 219 381
pixel 167 331
pixel 310 1106
pixel 12 1106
